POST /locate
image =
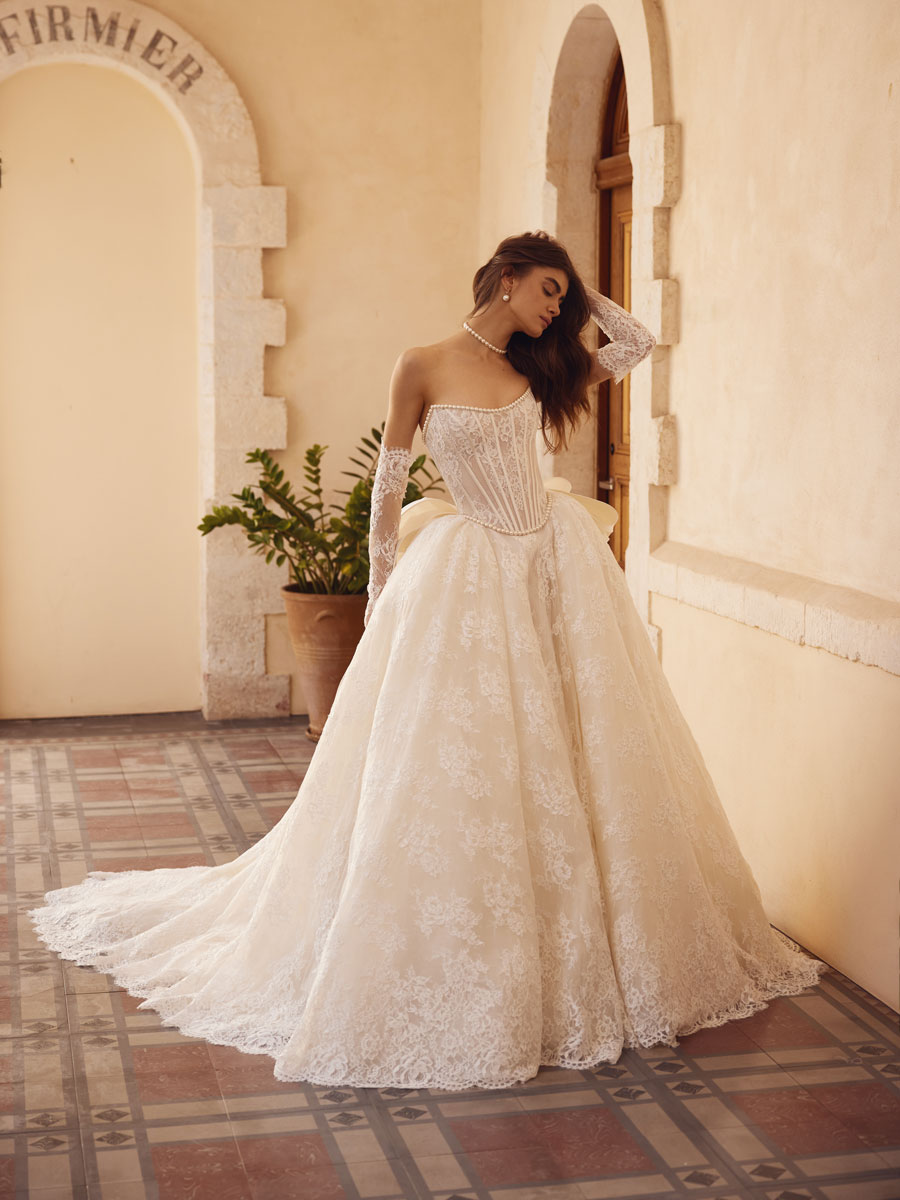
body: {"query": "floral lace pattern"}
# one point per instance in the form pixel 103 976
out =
pixel 489 462
pixel 388 490
pixel 631 341
pixel 506 852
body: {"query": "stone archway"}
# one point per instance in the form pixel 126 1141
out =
pixel 238 218
pixel 565 107
pixel 580 86
pixel 567 114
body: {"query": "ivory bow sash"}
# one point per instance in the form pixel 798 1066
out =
pixel 416 515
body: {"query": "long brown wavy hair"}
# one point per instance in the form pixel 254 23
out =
pixel 557 365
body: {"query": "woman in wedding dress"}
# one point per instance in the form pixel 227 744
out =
pixel 507 850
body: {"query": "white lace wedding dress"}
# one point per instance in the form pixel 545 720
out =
pixel 506 851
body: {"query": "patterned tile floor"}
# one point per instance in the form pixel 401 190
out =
pixel 99 1100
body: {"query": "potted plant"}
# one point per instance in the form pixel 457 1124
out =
pixel 327 549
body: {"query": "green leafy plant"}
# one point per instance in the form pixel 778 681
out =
pixel 328 551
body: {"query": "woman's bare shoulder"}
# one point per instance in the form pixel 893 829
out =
pixel 414 376
pixel 421 364
pixel 425 358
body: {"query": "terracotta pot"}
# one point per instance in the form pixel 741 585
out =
pixel 324 633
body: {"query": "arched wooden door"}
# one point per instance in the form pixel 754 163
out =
pixel 612 174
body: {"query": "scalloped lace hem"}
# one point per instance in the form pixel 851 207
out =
pixel 51 927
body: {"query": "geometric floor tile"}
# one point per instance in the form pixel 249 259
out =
pixel 100 1101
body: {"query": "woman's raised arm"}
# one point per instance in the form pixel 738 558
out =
pixel 630 342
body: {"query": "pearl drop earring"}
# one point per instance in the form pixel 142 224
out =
pixel 506 297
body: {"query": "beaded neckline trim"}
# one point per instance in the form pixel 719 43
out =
pixel 475 408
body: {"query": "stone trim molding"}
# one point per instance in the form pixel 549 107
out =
pixel 851 624
pixel 149 46
pixel 237 219
pixel 656 158
pixel 237 324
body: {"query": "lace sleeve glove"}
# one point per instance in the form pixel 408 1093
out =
pixel 631 341
pixel 388 490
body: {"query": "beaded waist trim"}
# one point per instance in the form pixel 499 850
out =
pixel 418 513
pixel 503 529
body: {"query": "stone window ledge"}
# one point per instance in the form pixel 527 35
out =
pixel 851 624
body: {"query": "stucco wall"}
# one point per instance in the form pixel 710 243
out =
pixel 99 495
pixel 784 382
pixel 783 386
pixel 368 115
pixel 802 747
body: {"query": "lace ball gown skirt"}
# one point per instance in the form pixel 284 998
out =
pixel 506 851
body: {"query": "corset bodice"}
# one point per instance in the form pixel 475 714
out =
pixel 489 461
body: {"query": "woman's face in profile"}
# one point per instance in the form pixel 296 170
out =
pixel 536 297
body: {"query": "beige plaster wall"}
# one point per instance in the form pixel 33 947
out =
pixel 368 114
pixel 783 379
pixel 99 497
pixel 802 747
pixel 521 41
pixel 783 386
pixel 784 382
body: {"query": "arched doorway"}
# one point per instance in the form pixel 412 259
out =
pixel 588 164
pixel 594 41
pixel 613 176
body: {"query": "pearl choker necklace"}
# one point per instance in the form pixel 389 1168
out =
pixel 468 328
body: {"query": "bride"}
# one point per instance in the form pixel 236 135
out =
pixel 507 850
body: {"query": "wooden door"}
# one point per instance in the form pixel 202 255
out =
pixel 613 179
